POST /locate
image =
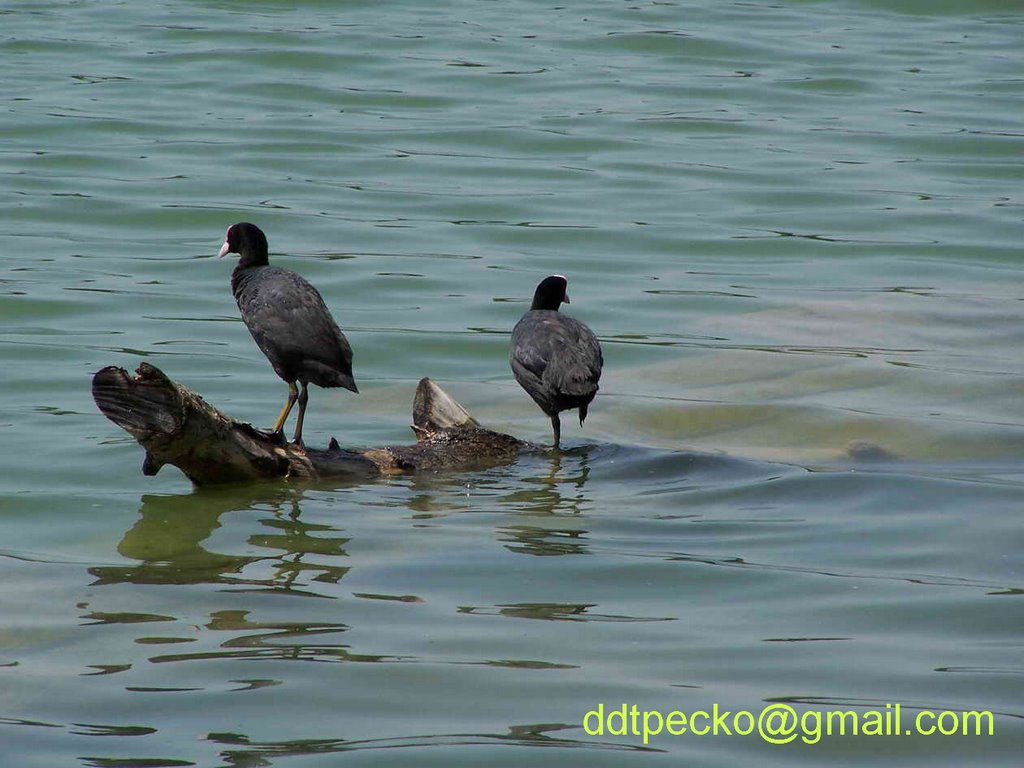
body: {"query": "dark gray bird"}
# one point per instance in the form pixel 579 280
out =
pixel 289 321
pixel 554 357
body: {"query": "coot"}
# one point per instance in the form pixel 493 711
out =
pixel 289 321
pixel 554 357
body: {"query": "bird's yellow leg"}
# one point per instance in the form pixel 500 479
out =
pixel 293 394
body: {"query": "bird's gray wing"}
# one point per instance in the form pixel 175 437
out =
pixel 576 359
pixel 287 317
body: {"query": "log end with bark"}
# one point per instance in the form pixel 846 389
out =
pixel 178 427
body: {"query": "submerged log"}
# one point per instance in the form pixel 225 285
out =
pixel 176 426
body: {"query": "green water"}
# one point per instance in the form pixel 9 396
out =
pixel 796 228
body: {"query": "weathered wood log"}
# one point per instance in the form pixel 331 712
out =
pixel 176 426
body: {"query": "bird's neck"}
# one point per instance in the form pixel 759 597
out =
pixel 248 258
pixel 546 305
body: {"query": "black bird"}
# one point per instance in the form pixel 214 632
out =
pixel 289 321
pixel 554 357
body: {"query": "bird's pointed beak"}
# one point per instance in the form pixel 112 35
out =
pixel 223 250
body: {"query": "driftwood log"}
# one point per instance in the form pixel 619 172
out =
pixel 176 426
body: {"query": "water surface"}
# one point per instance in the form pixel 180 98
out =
pixel 796 230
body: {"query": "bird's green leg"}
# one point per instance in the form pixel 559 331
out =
pixel 303 399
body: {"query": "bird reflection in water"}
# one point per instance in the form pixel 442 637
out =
pixel 557 493
pixel 167 543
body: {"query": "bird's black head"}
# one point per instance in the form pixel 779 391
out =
pixel 550 293
pixel 248 241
